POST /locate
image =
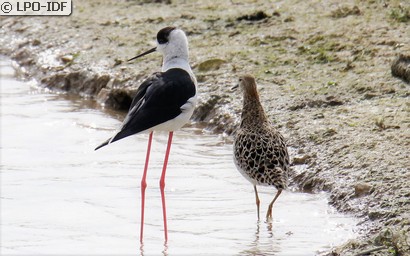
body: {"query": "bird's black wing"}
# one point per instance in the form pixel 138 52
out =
pixel 137 100
pixel 158 100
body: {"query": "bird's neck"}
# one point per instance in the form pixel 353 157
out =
pixel 174 56
pixel 177 62
pixel 252 113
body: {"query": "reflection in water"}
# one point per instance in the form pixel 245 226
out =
pixel 263 246
pixel 164 252
pixel 269 228
pixel 59 195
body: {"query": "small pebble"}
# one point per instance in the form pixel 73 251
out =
pixel 362 189
pixel 67 58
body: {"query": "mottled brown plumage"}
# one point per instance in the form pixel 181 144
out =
pixel 260 152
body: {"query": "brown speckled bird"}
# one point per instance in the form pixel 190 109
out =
pixel 260 152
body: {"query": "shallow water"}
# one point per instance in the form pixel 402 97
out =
pixel 58 196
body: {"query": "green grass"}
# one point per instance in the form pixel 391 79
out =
pixel 400 14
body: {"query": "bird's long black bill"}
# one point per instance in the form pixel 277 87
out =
pixel 143 54
pixel 235 87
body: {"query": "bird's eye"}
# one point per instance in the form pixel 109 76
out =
pixel 162 40
pixel 240 79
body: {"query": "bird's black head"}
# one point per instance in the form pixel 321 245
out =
pixel 163 35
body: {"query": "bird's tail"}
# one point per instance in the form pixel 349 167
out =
pixel 105 143
pixel 120 135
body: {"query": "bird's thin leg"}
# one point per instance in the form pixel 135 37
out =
pixel 269 213
pixel 144 186
pixel 162 184
pixel 258 202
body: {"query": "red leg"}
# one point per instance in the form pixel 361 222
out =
pixel 162 185
pixel 144 186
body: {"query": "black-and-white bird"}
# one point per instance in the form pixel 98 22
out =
pixel 163 102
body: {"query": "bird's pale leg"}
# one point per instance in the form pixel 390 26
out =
pixel 162 184
pixel 144 186
pixel 269 213
pixel 258 202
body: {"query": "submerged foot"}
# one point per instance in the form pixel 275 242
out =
pixel 269 215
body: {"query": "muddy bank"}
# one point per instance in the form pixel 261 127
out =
pixel 324 72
